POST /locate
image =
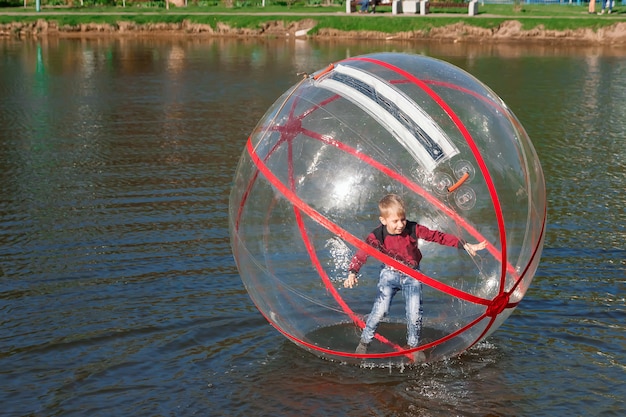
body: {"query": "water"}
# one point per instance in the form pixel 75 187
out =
pixel 119 294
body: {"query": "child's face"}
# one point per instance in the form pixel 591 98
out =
pixel 395 222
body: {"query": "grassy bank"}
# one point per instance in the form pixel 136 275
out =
pixel 251 16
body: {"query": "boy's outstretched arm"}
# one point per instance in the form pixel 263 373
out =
pixel 351 281
pixel 472 248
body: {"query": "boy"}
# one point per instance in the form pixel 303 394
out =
pixel 397 237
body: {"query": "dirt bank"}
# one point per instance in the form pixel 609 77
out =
pixel 508 31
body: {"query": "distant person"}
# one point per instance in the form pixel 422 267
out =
pixel 606 3
pixel 364 6
pixel 398 237
pixel 592 6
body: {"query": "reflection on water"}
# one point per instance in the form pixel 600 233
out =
pixel 118 289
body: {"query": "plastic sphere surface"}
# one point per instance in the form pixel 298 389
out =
pixel 306 192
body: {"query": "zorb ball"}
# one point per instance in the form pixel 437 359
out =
pixel 306 192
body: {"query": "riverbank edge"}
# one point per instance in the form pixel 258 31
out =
pixel 508 31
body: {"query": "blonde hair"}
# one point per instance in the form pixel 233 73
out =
pixel 391 204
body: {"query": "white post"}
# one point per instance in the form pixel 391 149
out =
pixel 409 6
pixel 472 9
pixel 396 7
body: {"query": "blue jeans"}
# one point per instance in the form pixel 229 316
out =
pixel 390 282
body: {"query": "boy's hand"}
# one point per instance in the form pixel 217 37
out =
pixel 351 281
pixel 472 248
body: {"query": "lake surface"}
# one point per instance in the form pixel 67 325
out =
pixel 118 291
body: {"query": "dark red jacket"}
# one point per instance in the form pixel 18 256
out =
pixel 403 247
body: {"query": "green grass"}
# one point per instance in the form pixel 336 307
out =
pixel 400 23
pixel 250 15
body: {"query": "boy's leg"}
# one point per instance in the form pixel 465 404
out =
pixel 412 290
pixel 388 286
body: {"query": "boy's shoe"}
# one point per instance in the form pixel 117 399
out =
pixel 419 357
pixel 361 348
